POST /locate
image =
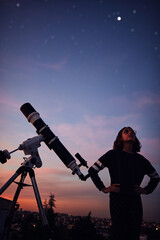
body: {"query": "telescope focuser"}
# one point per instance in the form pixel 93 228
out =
pixel 82 161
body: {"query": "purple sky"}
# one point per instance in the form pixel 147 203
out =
pixel 89 68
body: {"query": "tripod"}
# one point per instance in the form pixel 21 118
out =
pixel 27 167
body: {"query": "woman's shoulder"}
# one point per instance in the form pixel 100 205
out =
pixel 112 152
pixel 107 155
pixel 140 156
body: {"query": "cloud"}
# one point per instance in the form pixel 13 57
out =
pixel 3 70
pixel 5 175
pixel 136 100
pixel 93 136
pixel 65 188
pixel 104 121
pixel 53 171
pixel 57 66
pixel 151 149
pixel 146 99
pixel 10 102
pixel 25 65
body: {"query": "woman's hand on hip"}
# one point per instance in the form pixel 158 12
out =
pixel 139 190
pixel 112 188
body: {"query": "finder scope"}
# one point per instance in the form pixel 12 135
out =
pixel 52 140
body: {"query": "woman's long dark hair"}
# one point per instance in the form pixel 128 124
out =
pixel 118 143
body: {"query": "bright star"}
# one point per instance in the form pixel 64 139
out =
pixel 119 18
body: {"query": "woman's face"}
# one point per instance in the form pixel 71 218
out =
pixel 128 135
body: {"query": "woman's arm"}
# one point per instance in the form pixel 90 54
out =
pixel 154 180
pixel 93 172
pixel 153 175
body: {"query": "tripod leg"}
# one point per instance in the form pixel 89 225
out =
pixel 8 183
pixel 6 230
pixel 4 187
pixel 40 206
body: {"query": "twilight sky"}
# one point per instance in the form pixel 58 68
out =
pixel 89 67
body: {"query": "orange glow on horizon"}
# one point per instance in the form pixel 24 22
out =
pixel 75 206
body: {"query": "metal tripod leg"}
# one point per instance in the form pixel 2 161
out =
pixel 6 230
pixel 8 183
pixel 24 170
pixel 40 206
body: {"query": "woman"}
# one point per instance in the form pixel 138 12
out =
pixel 127 169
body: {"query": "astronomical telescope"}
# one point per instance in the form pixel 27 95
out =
pixel 53 142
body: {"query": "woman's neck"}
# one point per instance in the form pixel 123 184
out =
pixel 128 147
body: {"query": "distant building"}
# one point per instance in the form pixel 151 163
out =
pixel 4 209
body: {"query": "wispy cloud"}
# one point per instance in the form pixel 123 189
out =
pixel 136 100
pixel 146 99
pixel 151 148
pixel 24 64
pixel 10 101
pixel 53 171
pixel 3 70
pixel 94 135
pixel 7 99
pixel 56 66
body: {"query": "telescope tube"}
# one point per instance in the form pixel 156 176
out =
pixel 50 138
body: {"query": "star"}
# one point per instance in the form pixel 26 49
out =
pixel 119 18
pixel 18 5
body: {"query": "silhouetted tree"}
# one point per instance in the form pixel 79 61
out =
pixel 57 232
pixel 50 204
pixel 49 210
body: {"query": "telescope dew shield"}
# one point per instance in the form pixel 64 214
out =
pixel 50 139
